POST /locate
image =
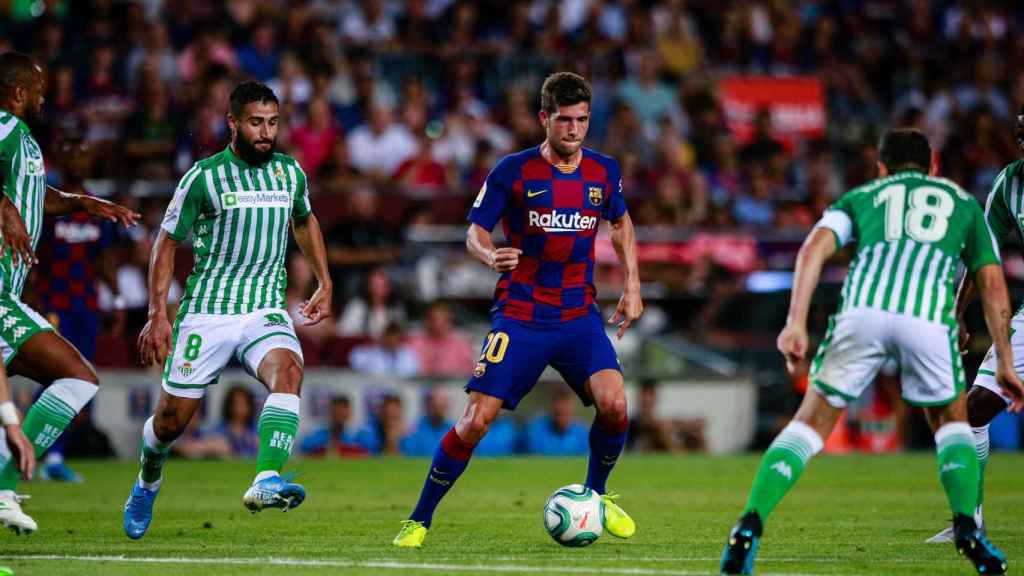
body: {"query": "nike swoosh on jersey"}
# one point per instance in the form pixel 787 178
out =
pixel 531 193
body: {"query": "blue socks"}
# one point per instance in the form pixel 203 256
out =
pixel 449 462
pixel 606 441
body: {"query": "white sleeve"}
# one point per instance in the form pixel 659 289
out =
pixel 838 222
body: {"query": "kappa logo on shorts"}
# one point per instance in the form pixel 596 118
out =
pixel 479 370
pixel 186 369
pixel 275 319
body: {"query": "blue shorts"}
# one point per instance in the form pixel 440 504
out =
pixel 515 354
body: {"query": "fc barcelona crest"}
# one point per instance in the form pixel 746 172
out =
pixel 596 195
pixel 480 369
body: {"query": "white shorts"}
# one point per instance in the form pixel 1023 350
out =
pixel 986 377
pixel 859 341
pixel 203 344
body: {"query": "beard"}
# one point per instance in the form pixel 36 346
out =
pixel 247 150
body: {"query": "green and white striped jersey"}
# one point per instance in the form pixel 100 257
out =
pixel 239 217
pixel 24 182
pixel 911 230
pixel 1004 207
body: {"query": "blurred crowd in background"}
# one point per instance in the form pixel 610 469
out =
pixel 397 110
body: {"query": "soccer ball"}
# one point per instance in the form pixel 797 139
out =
pixel 574 516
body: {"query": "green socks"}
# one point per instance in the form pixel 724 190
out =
pixel 154 454
pixel 958 466
pixel 56 407
pixel 981 446
pixel 277 428
pixel 781 466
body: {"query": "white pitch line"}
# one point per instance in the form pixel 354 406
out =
pixel 383 565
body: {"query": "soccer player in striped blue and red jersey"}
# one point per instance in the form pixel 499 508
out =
pixel 550 199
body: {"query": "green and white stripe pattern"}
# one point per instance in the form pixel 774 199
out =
pixel 911 230
pixel 24 182
pixel 277 428
pixel 799 439
pixel 904 277
pixel 239 217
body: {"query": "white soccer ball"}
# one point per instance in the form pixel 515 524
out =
pixel 574 516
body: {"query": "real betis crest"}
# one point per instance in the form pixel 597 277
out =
pixel 279 175
pixel 186 369
pixel 596 195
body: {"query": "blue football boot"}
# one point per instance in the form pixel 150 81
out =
pixel 138 511
pixel 972 543
pixel 741 549
pixel 274 492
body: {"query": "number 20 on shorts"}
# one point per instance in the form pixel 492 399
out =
pixel 495 347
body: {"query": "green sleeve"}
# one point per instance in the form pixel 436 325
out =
pixel 300 200
pixel 997 212
pixel 9 151
pixel 980 247
pixel 186 206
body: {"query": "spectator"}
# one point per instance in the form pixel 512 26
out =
pixel 559 433
pixel 502 438
pixel 336 437
pixel 152 135
pixel 649 98
pixel 379 147
pixel 291 84
pixel 315 137
pixel 361 241
pixel 385 433
pixel 442 350
pixel 433 425
pixel 238 423
pixel 755 208
pixel 372 311
pixel 423 177
pixel 259 57
pixel 389 357
pixel 649 432
pixel 763 148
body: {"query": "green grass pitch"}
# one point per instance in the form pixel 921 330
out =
pixel 847 515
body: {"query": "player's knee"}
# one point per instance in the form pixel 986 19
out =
pixel 612 408
pixel 169 423
pixel 287 378
pixel 474 427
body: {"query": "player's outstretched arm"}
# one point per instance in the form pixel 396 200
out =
pixel 155 339
pixel 58 203
pixel 480 246
pixel 311 241
pixel 996 305
pixel 819 246
pixel 630 305
pixel 21 448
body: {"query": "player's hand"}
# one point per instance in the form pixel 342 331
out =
pixel 963 336
pixel 116 213
pixel 15 235
pixel 1011 383
pixel 630 308
pixel 505 259
pixel 792 342
pixel 155 340
pixel 21 450
pixel 318 308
